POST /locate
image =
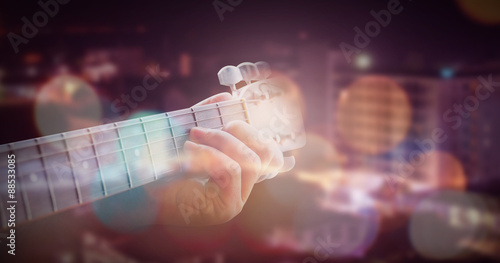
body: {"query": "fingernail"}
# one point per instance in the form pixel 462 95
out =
pixel 197 133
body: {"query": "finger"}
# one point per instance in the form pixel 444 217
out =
pixel 248 160
pixel 225 175
pixel 269 153
pixel 216 98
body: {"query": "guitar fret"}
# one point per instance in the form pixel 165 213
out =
pixel 88 151
pixel 113 152
pixel 49 180
pixel 24 195
pixel 194 117
pixel 3 170
pixel 22 190
pixel 220 114
pixel 3 216
pixel 240 110
pixel 98 163
pixel 77 133
pixel 106 141
pixel 124 157
pixel 26 202
pixel 149 149
pixel 104 155
pixel 245 112
pixel 77 184
pixel 173 139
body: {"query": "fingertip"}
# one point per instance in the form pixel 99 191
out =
pixel 279 155
pixel 278 161
pixel 197 133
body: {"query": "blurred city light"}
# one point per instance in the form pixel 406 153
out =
pixel 66 103
pixel 481 11
pixel 363 61
pixel 447 73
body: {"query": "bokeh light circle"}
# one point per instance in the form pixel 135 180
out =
pixel 131 211
pixel 438 170
pixel 483 11
pixel 446 222
pixel 373 115
pixel 66 103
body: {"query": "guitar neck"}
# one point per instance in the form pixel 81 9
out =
pixel 60 171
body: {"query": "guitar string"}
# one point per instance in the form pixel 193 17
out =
pixel 94 156
pixel 170 129
pixel 126 185
pixel 151 157
pixel 68 134
pixel 90 198
pixel 121 124
pixel 105 190
pixel 106 167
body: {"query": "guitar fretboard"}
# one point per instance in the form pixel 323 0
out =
pixel 63 170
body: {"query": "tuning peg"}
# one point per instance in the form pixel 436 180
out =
pixel 229 76
pixel 249 71
pixel 264 69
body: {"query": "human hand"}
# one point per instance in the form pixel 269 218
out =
pixel 221 168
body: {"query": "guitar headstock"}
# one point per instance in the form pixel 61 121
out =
pixel 271 103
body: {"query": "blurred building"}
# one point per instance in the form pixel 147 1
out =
pixel 429 99
pixel 474 141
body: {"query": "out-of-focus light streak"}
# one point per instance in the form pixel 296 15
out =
pixel 98 66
